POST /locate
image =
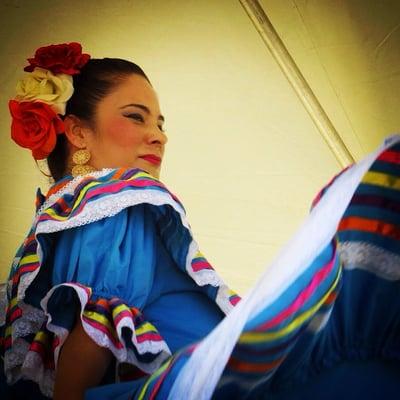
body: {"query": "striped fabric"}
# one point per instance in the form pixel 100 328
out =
pixel 374 213
pixel 88 190
pixel 199 262
pixel 346 306
pixel 30 342
pixel 268 338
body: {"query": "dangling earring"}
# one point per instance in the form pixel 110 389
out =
pixel 80 158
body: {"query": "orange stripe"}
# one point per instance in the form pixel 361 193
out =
pixel 119 172
pixel 102 302
pixel 242 366
pixel 30 238
pixel 370 225
pixel 56 188
pixel 59 186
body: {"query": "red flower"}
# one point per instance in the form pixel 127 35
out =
pixel 35 126
pixel 66 58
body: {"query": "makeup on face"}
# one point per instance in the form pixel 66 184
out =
pixel 130 127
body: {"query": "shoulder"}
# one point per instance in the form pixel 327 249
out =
pixel 90 198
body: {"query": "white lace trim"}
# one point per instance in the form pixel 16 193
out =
pixel 3 303
pixel 69 188
pixel 14 358
pixel 9 283
pixel 122 355
pixel 371 258
pixel 25 282
pixel 30 322
pixel 9 288
pixel 209 277
pixel 127 355
pixel 15 262
pixel 109 206
pixel 223 296
pixel 34 370
pixel 19 362
pixel 202 277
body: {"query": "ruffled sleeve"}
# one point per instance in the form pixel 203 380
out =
pixel 92 253
pixel 105 269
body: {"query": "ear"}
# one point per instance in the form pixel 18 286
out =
pixel 76 132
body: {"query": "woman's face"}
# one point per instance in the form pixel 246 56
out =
pixel 128 128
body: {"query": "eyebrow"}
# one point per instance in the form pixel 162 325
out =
pixel 144 108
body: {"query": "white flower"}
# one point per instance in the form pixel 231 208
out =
pixel 42 85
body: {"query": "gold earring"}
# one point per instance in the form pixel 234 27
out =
pixel 80 158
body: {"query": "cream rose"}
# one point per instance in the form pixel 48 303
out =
pixel 42 85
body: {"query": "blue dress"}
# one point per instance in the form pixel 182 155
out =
pixel 116 249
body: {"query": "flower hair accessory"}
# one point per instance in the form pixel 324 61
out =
pixel 42 96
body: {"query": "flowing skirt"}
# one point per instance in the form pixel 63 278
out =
pixel 322 322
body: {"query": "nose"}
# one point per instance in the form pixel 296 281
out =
pixel 156 136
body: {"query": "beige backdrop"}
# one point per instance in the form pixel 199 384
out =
pixel 243 154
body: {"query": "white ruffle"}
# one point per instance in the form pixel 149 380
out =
pixel 3 303
pixel 122 354
pixel 17 364
pixel 69 188
pixel 110 205
pixel 30 322
pixel 366 256
pixel 14 358
pixel 202 277
pixel 34 370
pixel 223 299
pixel 20 363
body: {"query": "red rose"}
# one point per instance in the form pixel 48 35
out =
pixel 66 58
pixel 35 126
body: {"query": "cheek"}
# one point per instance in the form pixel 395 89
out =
pixel 124 133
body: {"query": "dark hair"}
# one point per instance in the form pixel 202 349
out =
pixel 95 81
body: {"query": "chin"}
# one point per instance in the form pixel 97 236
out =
pixel 153 170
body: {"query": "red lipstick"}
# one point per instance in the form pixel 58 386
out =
pixel 151 158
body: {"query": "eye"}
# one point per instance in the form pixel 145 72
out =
pixel 161 128
pixel 136 117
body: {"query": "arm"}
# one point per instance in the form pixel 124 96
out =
pixel 81 365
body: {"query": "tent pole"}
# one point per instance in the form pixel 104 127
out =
pixel 298 82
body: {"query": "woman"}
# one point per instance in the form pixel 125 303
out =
pixel 109 282
pixel 111 277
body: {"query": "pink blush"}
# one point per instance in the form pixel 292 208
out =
pixel 123 133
